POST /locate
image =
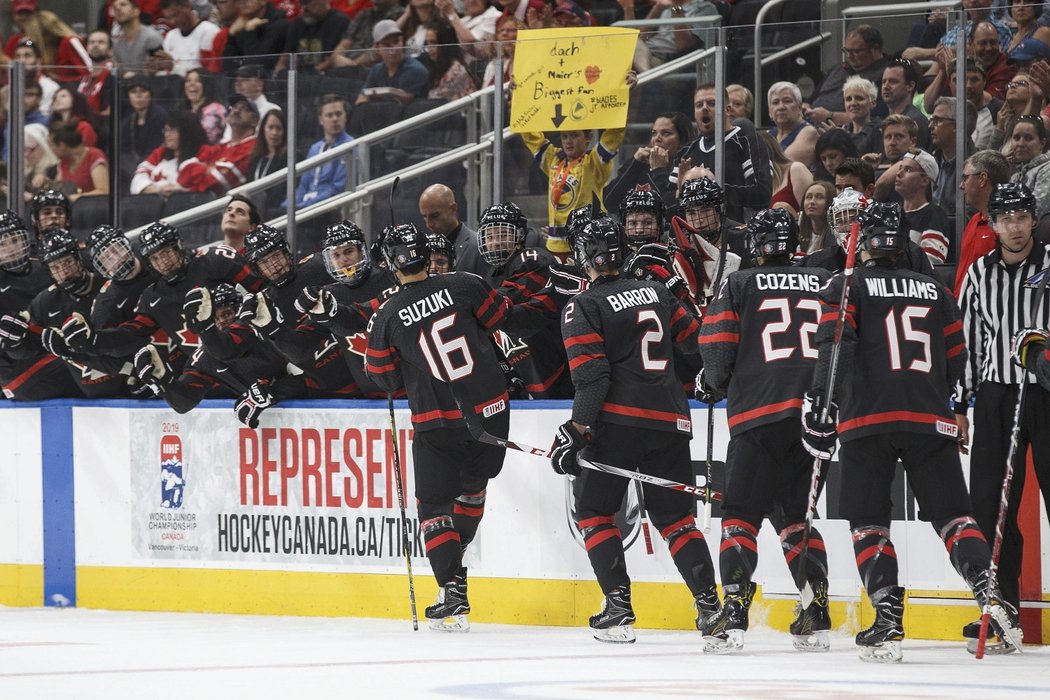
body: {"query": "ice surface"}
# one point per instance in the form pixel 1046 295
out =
pixel 77 653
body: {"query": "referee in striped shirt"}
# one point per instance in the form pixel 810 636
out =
pixel 997 298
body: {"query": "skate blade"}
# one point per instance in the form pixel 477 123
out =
pixel 1010 635
pixel 621 634
pixel 452 623
pixel 992 647
pixel 815 641
pixel 884 653
pixel 732 643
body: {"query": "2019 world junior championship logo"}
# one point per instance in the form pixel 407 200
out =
pixel 172 481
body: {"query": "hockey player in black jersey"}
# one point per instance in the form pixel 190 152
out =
pixel 902 351
pixel 50 208
pixel 114 259
pixel 629 411
pixel 432 338
pixel 642 217
pixel 31 375
pixel 758 345
pixel 699 242
pixel 442 254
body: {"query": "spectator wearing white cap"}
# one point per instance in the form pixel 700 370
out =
pixel 396 75
pixel 353 48
pixel 927 222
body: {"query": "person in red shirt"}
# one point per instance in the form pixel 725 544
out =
pixel 61 49
pixel 84 167
pixel 981 173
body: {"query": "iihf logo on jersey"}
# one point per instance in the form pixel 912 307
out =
pixel 172 482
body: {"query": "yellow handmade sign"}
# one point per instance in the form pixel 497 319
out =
pixel 572 78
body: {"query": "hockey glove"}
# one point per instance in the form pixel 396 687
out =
pixel 77 332
pixel 819 434
pixel 54 343
pixel 1026 345
pixel 264 315
pixel 13 331
pixel 704 392
pixel 197 310
pixel 317 303
pixel 151 369
pixel 252 403
pixel 515 384
pixel 568 442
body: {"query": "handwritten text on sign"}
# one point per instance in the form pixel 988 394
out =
pixel 573 78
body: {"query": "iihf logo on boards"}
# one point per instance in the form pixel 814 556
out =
pixel 172 481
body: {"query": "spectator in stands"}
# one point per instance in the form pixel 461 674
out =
pixel 898 94
pixel 1020 100
pixel 249 80
pixel 62 54
pixel 791 179
pixel 988 52
pixel 413 24
pixel 651 164
pixel 833 147
pixel 1031 162
pixel 927 222
pixel 507 36
pixel 672 41
pixel 257 34
pixel 859 95
pixel 162 172
pixel 199 99
pixel 862 49
pixel 329 179
pixel 314 36
pixel 353 48
pixel 239 218
pixel 976 11
pixel 437 206
pixel 856 174
pixel 942 137
pixel 41 163
pixel 70 106
pixel 814 227
pixel 27 52
pixel 32 95
pixel 475 28
pixel 982 172
pixel 85 169
pixel 1026 14
pixel 449 78
pixel 142 130
pixel 189 40
pixel 396 75
pixel 228 162
pixel 97 86
pixel 741 102
pixel 226 13
pixel 796 136
pixel 898 137
pixel 270 155
pixel 987 106
pixel 134 42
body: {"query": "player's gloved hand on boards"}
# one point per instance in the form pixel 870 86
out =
pixel 317 303
pixel 1026 345
pixel 54 343
pixel 818 434
pixel 568 442
pixel 261 313
pixel 704 392
pixel 515 384
pixel 77 332
pixel 197 310
pixel 252 403
pixel 13 330
pixel 151 369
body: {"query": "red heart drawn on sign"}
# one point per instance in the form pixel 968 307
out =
pixel 592 73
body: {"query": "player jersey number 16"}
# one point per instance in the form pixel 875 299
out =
pixel 435 346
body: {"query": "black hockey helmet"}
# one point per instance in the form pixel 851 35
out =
pixel 882 228
pixel 156 238
pixel 49 198
pixel 771 232
pixel 501 233
pixel 405 249
pixel 436 243
pixel 110 253
pixel 601 243
pixel 643 200
pixel 57 243
pixel 701 192
pixel 14 242
pixel 1009 197
pixel 577 219
pixel 259 243
pixel 333 244
pixel 223 294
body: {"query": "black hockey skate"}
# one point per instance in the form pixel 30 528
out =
pixel 1004 629
pixel 881 643
pixel 613 623
pixel 809 631
pixel 449 612
pixel 724 631
pixel 707 605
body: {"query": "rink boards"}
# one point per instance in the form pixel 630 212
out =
pixel 127 505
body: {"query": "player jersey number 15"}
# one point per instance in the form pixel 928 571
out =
pixel 453 353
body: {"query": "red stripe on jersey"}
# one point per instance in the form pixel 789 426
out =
pixel 952 328
pixel 742 524
pixel 764 411
pixel 687 521
pixel 642 412
pixel 435 415
pixel 449 536
pixel 679 312
pixel 745 542
pixel 684 540
pixel 548 383
pixel 600 537
pixel 692 329
pixel 952 352
pixel 372 352
pixel 469 511
pixel 33 328
pixel 584 359
pixel 381 369
pixel 875 549
pixel 28 374
pixel 581 339
pixel 891 417
pixel 596 520
pixel 480 408
pixel 968 532
pixel 724 316
pixel 720 338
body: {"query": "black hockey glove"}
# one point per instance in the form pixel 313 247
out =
pixel 257 310
pixel 252 403
pixel 13 331
pixel 54 343
pixel 704 392
pixel 819 435
pixel 77 332
pixel 568 442
pixel 317 303
pixel 515 384
pixel 198 311
pixel 1026 345
pixel 151 369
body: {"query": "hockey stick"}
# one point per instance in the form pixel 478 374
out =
pixel 1008 477
pixel 393 190
pixel 806 590
pixel 405 543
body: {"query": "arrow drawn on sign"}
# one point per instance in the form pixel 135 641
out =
pixel 558 117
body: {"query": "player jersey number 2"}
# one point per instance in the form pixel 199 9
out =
pixel 447 351
pixel 651 337
pixel 776 349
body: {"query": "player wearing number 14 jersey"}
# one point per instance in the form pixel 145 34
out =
pixel 432 337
